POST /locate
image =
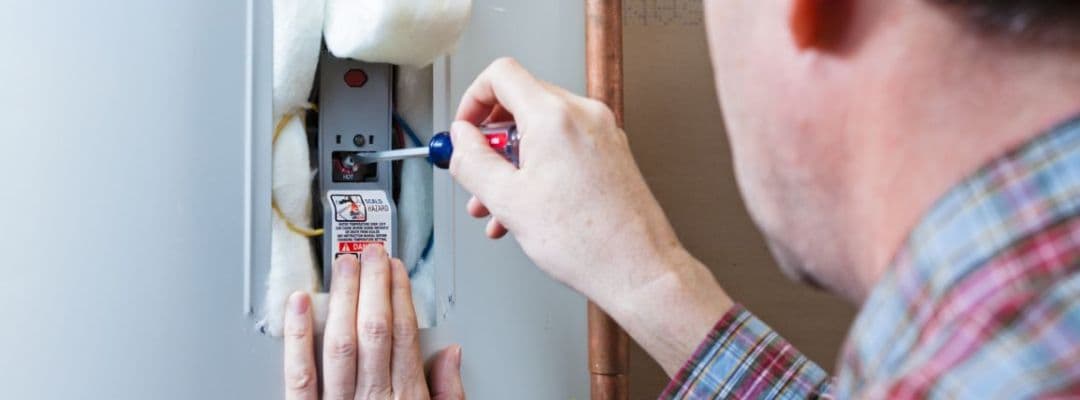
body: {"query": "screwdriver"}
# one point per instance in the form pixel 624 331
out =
pixel 502 137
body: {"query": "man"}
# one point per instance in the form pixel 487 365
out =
pixel 920 158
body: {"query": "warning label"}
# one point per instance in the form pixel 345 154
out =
pixel 361 218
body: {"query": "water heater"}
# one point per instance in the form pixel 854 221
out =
pixel 136 206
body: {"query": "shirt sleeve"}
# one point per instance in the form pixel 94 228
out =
pixel 742 358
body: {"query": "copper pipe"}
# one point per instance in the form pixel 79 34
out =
pixel 604 53
pixel 609 357
pixel 609 346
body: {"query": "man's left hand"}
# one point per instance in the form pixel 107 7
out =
pixel 371 347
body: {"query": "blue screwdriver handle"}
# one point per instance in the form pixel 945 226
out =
pixel 503 138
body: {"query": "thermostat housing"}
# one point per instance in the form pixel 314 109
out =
pixel 355 117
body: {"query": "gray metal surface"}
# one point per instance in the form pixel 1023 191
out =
pixel 344 113
pixel 134 206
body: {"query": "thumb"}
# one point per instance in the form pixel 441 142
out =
pixel 445 375
pixel 476 166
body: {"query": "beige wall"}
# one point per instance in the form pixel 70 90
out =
pixel 677 135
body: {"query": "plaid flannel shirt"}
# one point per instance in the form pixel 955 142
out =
pixel 982 302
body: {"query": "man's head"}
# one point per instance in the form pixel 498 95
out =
pixel 829 102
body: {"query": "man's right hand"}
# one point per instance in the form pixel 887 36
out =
pixel 580 208
pixel 578 204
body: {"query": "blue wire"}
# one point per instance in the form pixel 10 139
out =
pixel 416 143
pixel 424 254
pixel 408 130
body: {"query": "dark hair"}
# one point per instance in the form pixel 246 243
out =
pixel 1047 21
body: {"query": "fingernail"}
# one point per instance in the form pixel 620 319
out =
pixel 373 253
pixel 457 357
pixel 298 303
pixel 346 265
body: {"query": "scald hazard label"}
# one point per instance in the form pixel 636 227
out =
pixel 361 218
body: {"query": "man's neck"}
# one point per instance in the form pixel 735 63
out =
pixel 943 119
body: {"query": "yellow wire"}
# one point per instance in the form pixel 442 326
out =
pixel 303 231
pixel 293 227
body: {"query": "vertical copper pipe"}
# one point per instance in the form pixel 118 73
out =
pixel 609 347
pixel 609 357
pixel 604 53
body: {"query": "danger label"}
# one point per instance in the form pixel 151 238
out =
pixel 354 247
pixel 361 218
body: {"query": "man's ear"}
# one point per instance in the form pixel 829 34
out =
pixel 820 24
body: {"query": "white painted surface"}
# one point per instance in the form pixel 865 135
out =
pixel 523 335
pixel 123 201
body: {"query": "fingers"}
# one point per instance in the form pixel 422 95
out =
pixel 476 166
pixel 339 341
pixel 374 320
pixel 372 344
pixel 477 209
pixel 301 377
pixel 407 367
pixel 445 375
pixel 504 82
pixel 495 229
pixel 498 114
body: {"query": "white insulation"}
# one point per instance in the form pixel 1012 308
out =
pixel 292 258
pixel 403 32
pixel 297 42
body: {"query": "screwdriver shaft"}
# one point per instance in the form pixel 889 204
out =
pixel 394 155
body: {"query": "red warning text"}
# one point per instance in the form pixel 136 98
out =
pixel 355 247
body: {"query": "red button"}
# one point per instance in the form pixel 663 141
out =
pixel 356 78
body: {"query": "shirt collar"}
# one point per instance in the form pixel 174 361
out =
pixel 1020 193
